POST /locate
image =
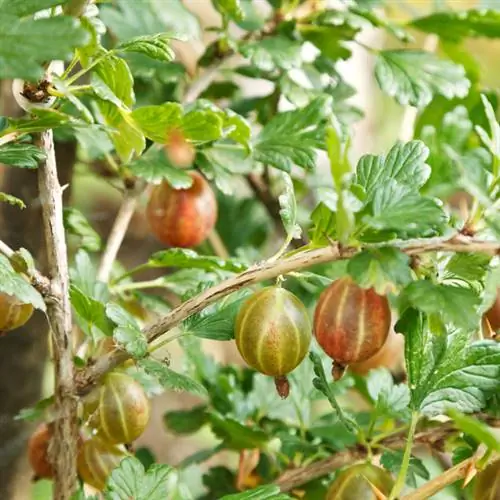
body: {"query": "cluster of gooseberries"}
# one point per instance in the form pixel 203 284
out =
pixel 113 416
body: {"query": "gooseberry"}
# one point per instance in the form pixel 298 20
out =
pixel 13 313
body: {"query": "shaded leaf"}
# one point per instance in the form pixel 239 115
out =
pixel 76 223
pixel 127 332
pixel 154 46
pixel 186 421
pixel 21 155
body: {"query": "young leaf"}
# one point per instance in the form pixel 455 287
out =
pixel 390 399
pixel 186 421
pixel 186 258
pixel 469 266
pixel 476 429
pixel 382 268
pixel 455 26
pixel 115 76
pixel 447 371
pixel 15 285
pixel 76 223
pixel 127 331
pixel 288 210
pixel 36 412
pixel 267 492
pixel 230 8
pixel 12 200
pixel 156 121
pixel 154 46
pixel 321 384
pixel 455 304
pixel 291 138
pixel 21 155
pixel 493 142
pixel 392 460
pixel 130 480
pixel 414 77
pixel 169 379
pixel 91 311
pixel 276 52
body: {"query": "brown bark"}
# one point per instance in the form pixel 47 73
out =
pixel 23 351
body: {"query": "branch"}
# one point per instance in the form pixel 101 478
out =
pixel 431 437
pixel 87 378
pixel 37 279
pixel 63 449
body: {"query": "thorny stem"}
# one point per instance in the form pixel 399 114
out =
pixel 63 448
pixel 269 270
pixel 400 481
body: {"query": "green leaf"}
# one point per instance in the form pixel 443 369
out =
pixel 404 163
pixel 469 266
pixel 127 332
pixel 186 421
pixel 288 211
pixel 389 398
pixel 76 223
pixel 12 200
pixel 475 429
pixel 130 480
pixel 15 285
pixel 36 412
pixel 22 8
pixel 447 371
pixel 392 461
pixel 414 77
pixel 169 379
pixel 21 53
pixel 291 137
pixel 321 384
pixel 40 120
pixel 90 311
pixel 455 26
pixel 154 46
pixel 186 258
pixel 21 155
pixel 154 166
pixel 275 52
pixel 493 142
pixel 454 304
pixel 235 435
pixel 115 74
pixel 230 8
pixel 267 492
pixel 382 268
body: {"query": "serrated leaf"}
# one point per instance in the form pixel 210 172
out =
pixel 414 77
pixel 230 8
pixel 90 311
pixel 21 53
pixel 12 200
pixel 292 137
pixel 171 380
pixel 154 46
pixel 392 461
pixel 130 480
pixel 447 371
pixel 40 120
pixel 389 398
pixel 186 258
pixel 455 25
pixel 384 269
pixel 15 285
pixel 405 163
pixel 493 142
pixel 36 412
pixel 476 429
pixel 235 435
pixel 186 421
pixel 21 155
pixel 154 166
pixel 454 304
pixel 275 52
pixel 76 223
pixel 267 492
pixel 127 332
pixel 288 210
pixel 469 266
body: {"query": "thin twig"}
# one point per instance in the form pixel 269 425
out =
pixel 262 272
pixel 37 279
pixel 63 449
pixel 117 235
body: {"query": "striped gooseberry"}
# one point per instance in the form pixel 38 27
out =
pixel 361 482
pixel 182 217
pixel 13 313
pixel 487 485
pixel 97 459
pixel 351 323
pixel 119 409
pixel 38 452
pixel 273 333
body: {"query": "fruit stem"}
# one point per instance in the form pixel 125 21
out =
pixel 166 341
pixel 400 481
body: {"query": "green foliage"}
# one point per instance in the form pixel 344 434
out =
pixel 21 155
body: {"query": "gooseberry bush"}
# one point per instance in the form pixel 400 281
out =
pixel 360 294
